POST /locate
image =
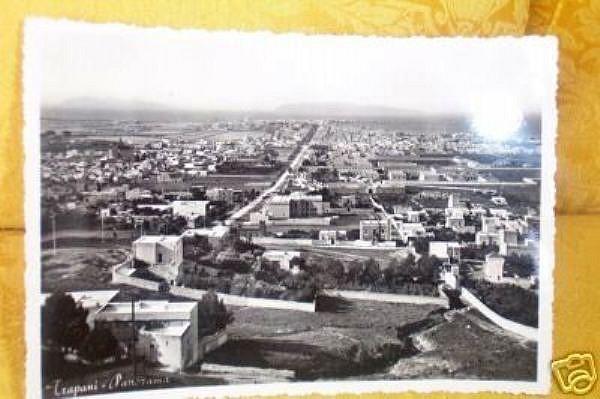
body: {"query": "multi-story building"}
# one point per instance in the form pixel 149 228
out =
pixel 295 205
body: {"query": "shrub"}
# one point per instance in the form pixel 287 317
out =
pixel 99 344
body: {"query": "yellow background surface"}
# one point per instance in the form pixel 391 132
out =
pixel 575 22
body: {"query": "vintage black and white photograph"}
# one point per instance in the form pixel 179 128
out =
pixel 237 213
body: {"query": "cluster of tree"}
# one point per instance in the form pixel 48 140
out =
pixel 325 175
pixel 301 287
pixel 64 329
pixel 295 233
pixel 197 277
pixel 212 314
pixel 476 252
pixel 407 276
pixel 425 270
pixel 236 255
pixel 245 169
pixel 196 247
pixel 166 224
pixel 510 301
pixel 522 265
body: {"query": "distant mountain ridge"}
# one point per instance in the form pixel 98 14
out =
pixel 95 108
pixel 333 109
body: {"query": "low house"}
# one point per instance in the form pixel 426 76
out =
pixel 215 234
pixel 328 237
pixel 455 220
pixel 413 216
pixel 284 258
pixel 159 250
pixel 444 250
pixel 166 332
pixel 493 268
pixel 296 205
pixel 374 230
pixel 190 210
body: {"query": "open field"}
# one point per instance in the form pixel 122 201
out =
pixel 77 268
pixel 363 341
pixel 359 339
pixel 89 268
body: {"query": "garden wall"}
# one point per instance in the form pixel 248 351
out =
pixel 525 331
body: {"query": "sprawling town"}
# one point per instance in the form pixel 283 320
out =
pixel 267 250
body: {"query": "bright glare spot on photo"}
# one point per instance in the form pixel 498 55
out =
pixel 497 117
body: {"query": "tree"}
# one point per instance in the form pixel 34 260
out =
pixel 427 268
pixel 212 314
pixel 63 322
pixel 335 268
pixel 371 272
pixel 421 245
pixel 99 344
pixel 354 271
pixel 196 246
pixel 521 265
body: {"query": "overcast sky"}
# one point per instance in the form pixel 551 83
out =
pixel 261 71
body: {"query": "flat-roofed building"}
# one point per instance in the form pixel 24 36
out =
pixel 413 216
pixel 167 332
pixel 396 174
pixel 191 210
pixel 159 250
pixel 489 224
pixel 493 268
pixel 328 237
pixel 279 207
pixel 455 220
pixel 374 230
pixel 285 259
pixel 215 234
pixel 296 205
pixel 444 250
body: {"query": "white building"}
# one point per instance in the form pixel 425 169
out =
pixel 296 205
pixel 396 174
pixel 444 250
pixel 190 210
pixel 214 234
pixel 330 237
pixel 167 332
pixel 455 219
pixel 493 268
pixel 489 224
pixel 284 258
pixel 500 201
pixel 390 230
pixel 500 213
pixel 413 216
pixel 450 275
pixel 159 250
